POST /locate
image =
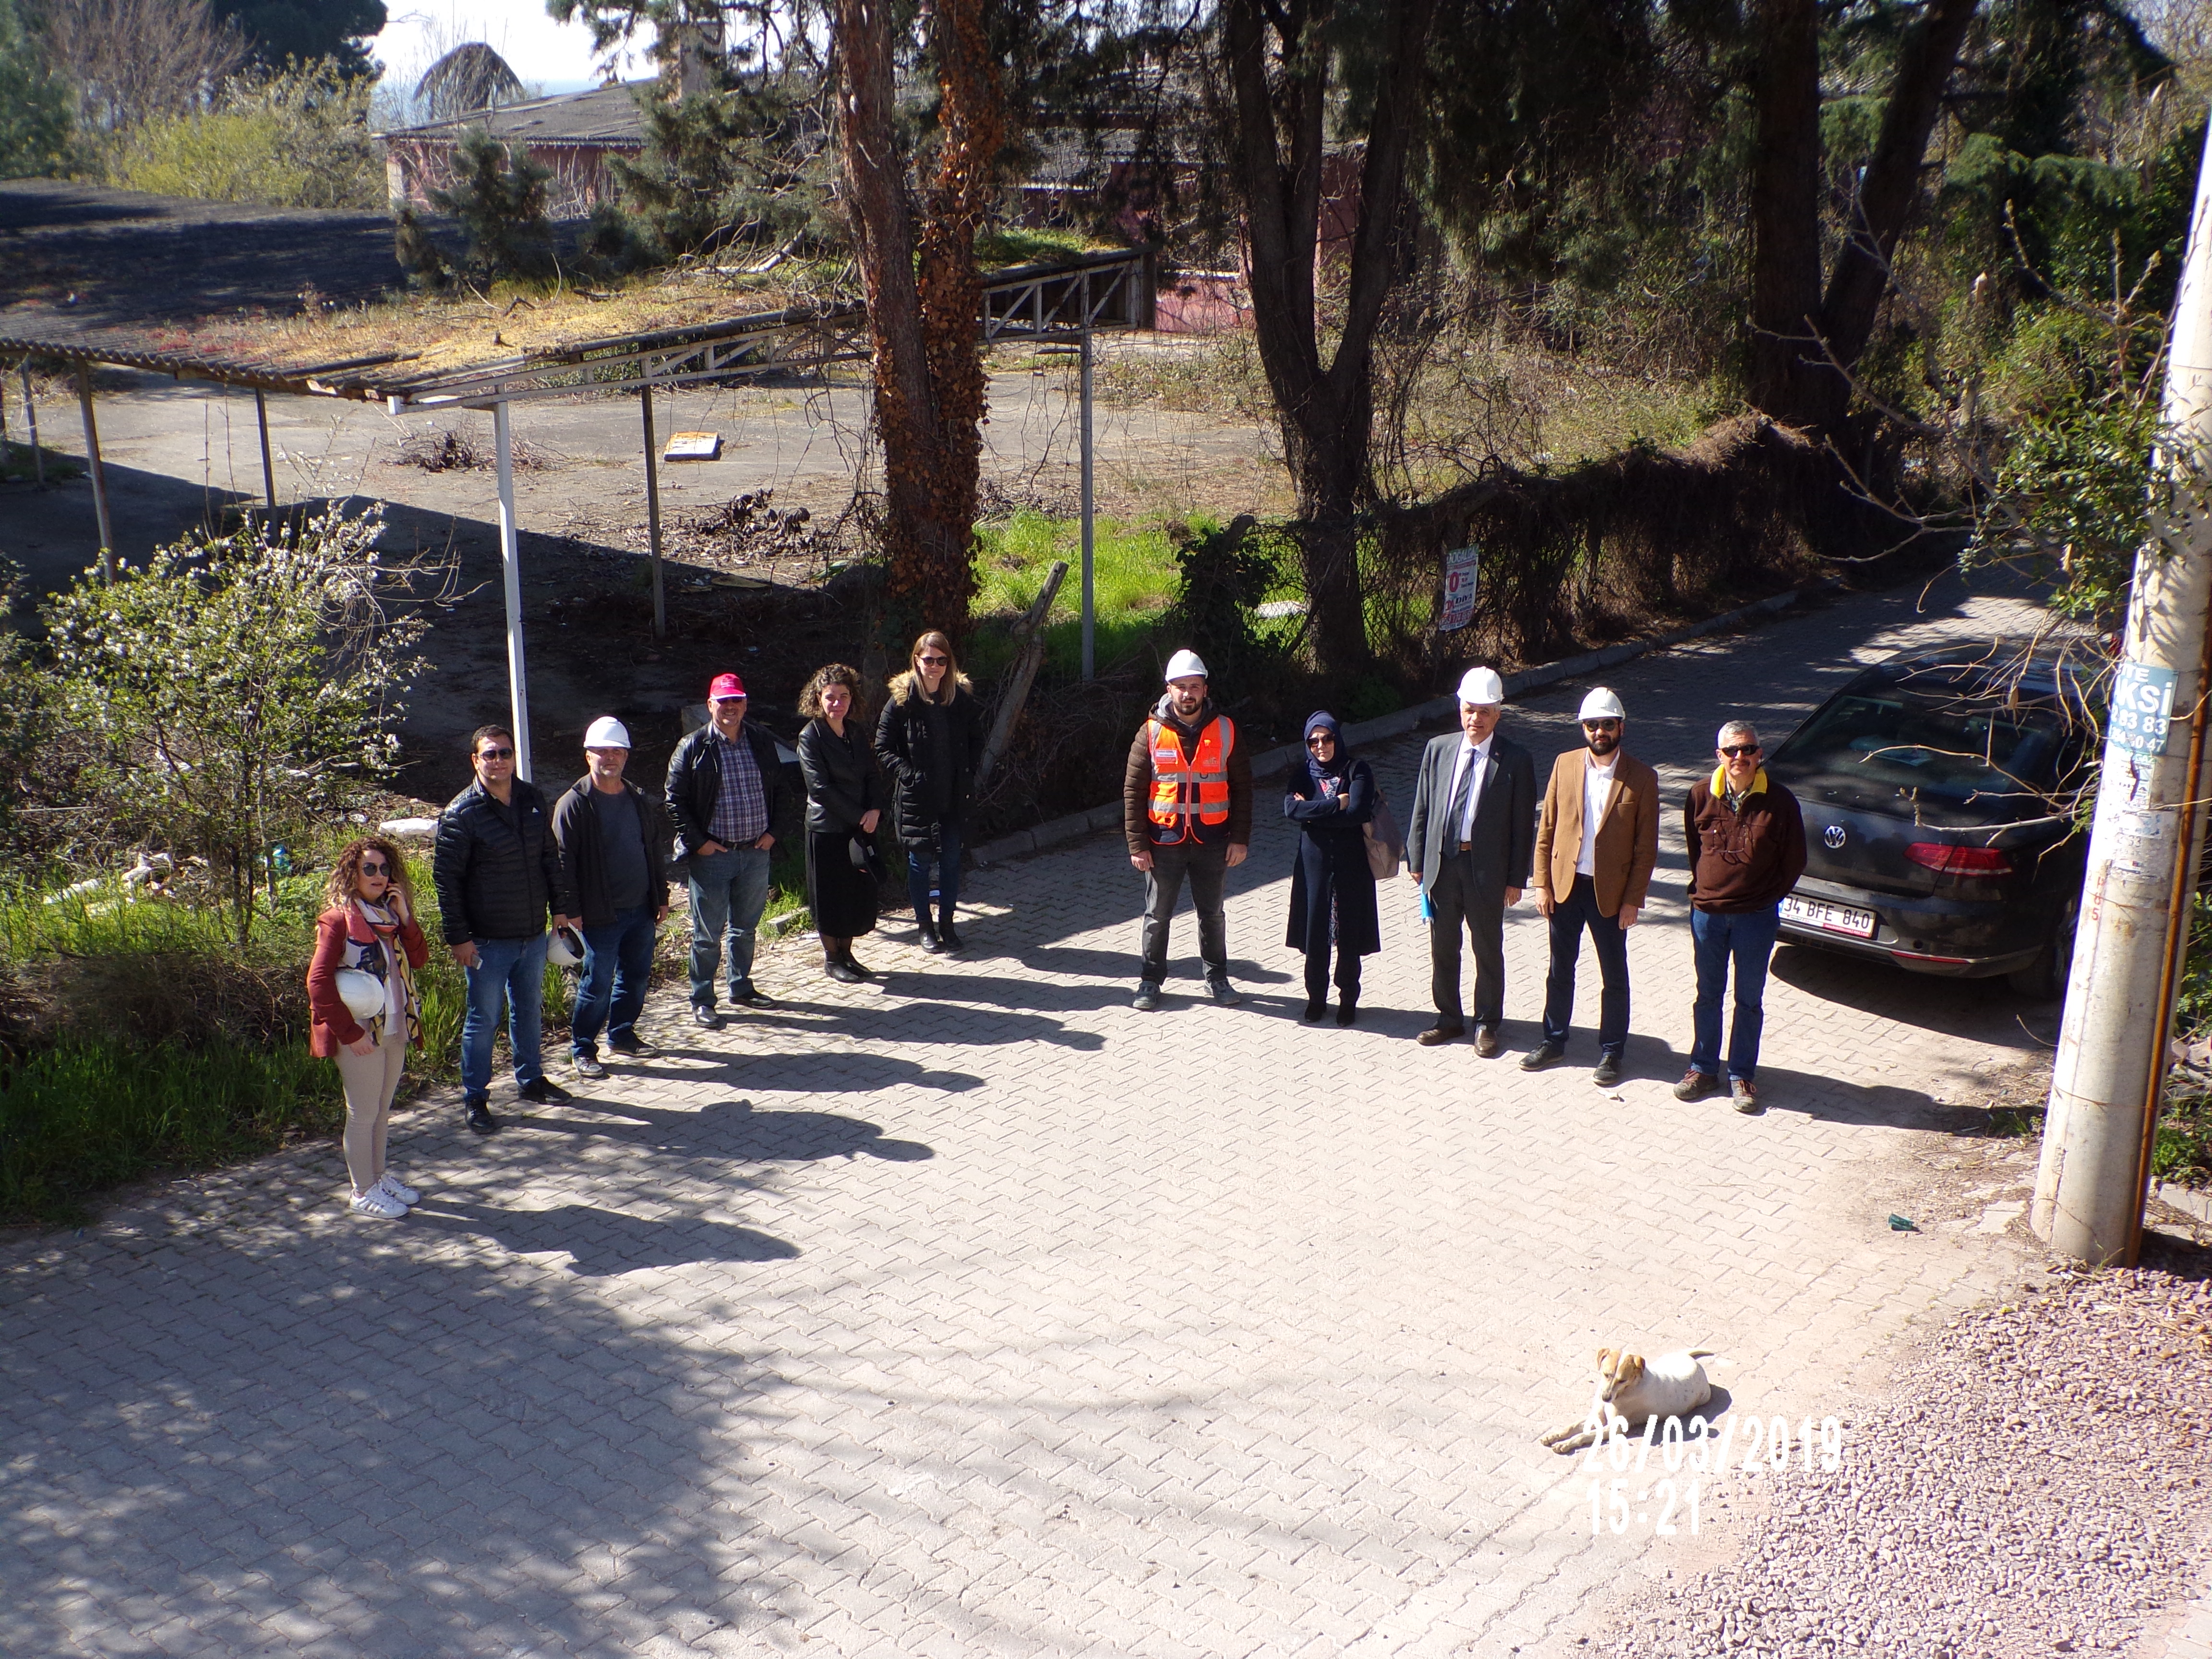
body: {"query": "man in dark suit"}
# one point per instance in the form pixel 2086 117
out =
pixel 1469 844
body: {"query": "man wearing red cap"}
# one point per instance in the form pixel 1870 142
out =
pixel 723 781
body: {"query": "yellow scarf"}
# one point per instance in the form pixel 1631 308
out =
pixel 1720 782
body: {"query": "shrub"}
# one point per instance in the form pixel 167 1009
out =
pixel 296 139
pixel 233 686
pixel 34 107
pixel 500 200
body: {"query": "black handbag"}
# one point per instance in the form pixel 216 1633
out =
pixel 862 850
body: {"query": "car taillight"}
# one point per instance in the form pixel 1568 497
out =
pixel 1950 860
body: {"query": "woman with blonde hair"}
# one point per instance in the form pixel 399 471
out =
pixel 844 804
pixel 368 1013
pixel 929 738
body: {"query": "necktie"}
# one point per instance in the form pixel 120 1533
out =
pixel 1460 793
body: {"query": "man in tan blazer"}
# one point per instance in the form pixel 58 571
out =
pixel 1596 845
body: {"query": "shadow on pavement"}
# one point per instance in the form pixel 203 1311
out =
pixel 1983 1009
pixel 602 1242
pixel 732 1129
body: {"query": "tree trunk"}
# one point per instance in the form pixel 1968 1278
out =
pixel 924 296
pixel 1785 210
pixel 1805 345
pixel 1888 190
pixel 1326 412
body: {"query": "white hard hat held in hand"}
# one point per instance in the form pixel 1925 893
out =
pixel 565 949
pixel 1184 664
pixel 1482 686
pixel 607 733
pixel 363 995
pixel 1602 705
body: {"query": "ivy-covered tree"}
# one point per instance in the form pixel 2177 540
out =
pixel 34 105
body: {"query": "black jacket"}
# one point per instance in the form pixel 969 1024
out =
pixel 497 868
pixel 1504 814
pixel 931 750
pixel 583 865
pixel 842 784
pixel 694 781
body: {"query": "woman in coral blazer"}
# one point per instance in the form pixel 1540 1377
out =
pixel 370 928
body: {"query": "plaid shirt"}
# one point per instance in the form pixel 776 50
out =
pixel 741 807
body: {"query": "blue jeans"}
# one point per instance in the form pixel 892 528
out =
pixel 512 970
pixel 617 963
pixel 920 865
pixel 1747 941
pixel 729 890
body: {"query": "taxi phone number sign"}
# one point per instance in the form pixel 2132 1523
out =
pixel 2142 709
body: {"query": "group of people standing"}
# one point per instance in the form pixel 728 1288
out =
pixel 598 861
pixel 1478 837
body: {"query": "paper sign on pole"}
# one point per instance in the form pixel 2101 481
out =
pixel 1459 588
pixel 2143 707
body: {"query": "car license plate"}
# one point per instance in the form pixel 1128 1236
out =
pixel 1836 918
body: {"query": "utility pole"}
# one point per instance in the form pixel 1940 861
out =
pixel 2148 833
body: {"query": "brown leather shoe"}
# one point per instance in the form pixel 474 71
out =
pixel 1485 1042
pixel 1436 1034
pixel 1696 1085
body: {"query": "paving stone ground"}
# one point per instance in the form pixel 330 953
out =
pixel 980 1314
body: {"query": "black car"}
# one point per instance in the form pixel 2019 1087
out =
pixel 1940 792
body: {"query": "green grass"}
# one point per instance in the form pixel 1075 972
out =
pixel 1014 245
pixel 86 1115
pixel 1134 578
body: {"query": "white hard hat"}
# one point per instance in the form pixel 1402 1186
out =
pixel 565 949
pixel 1602 705
pixel 1481 685
pixel 363 995
pixel 607 733
pixel 1186 663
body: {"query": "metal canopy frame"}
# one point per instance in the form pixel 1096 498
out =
pixel 1060 303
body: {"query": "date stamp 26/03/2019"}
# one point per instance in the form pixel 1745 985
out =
pixel 1671 1463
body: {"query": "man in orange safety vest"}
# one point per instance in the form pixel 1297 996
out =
pixel 1186 811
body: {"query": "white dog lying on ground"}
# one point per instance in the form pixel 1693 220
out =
pixel 1631 1389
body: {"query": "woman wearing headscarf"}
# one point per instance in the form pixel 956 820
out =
pixel 1331 796
pixel 844 803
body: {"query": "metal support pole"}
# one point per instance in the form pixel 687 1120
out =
pixel 2112 1043
pixel 653 512
pixel 1090 612
pixel 31 420
pixel 510 560
pixel 268 471
pixel 99 473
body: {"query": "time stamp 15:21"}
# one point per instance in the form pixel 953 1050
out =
pixel 1689 1456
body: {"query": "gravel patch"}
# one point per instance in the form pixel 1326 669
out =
pixel 2037 1481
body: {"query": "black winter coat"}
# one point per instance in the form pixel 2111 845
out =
pixel 1332 871
pixel 497 869
pixel 695 782
pixel 842 784
pixel 576 828
pixel 931 750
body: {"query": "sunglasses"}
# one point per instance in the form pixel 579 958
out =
pixel 932 662
pixel 1602 726
pixel 495 754
pixel 378 868
pixel 1737 751
pixel 1316 741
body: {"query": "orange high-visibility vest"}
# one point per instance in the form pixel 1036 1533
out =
pixel 1196 787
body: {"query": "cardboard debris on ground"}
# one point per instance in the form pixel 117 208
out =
pixel 693 447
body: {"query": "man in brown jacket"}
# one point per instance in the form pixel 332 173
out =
pixel 1596 846
pixel 1747 845
pixel 1186 810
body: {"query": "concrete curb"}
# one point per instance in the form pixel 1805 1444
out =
pixel 2185 1200
pixel 1074 825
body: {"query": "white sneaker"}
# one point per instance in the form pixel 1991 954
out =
pixel 379 1203
pixel 393 1185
